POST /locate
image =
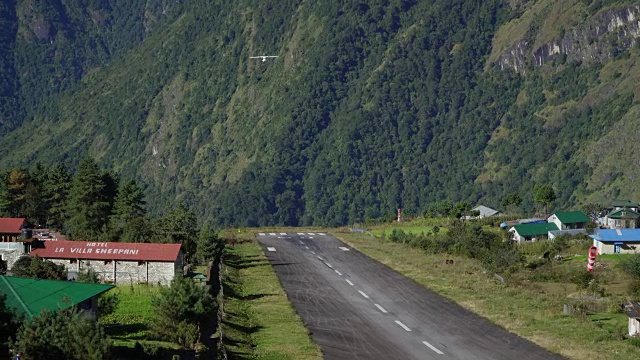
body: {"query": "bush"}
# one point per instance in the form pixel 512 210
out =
pixel 631 266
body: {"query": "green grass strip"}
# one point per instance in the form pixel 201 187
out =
pixel 259 322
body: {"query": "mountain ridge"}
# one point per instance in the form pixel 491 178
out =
pixel 368 107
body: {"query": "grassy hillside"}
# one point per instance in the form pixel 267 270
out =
pixel 368 107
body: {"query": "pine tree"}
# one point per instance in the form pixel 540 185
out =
pixel 16 188
pixel 179 227
pixel 8 324
pixel 129 203
pixel 208 244
pixel 181 310
pixel 88 206
pixel 57 186
pixel 128 222
pixel 65 335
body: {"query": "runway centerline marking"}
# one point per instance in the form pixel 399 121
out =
pixel 381 308
pixel 261 234
pixel 300 233
pixel 338 272
pixel 306 247
pixel 319 257
pixel 272 249
pixel 433 348
pixel 311 234
pixel 272 234
pixel 321 234
pixel 301 242
pixel 344 248
pixel 405 327
pixel 363 294
pixel 349 282
pixel 329 265
pixel 283 233
pixel 313 252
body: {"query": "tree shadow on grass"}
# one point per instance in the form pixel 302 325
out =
pixel 243 262
pixel 127 331
pixel 230 292
pixel 248 330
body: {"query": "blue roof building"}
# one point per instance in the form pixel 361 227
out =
pixel 617 241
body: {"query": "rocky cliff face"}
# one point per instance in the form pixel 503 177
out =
pixel 602 37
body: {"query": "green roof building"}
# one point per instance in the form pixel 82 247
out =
pixel 569 220
pixel 28 296
pixel 532 232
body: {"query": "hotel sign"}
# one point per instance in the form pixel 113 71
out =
pixel 101 248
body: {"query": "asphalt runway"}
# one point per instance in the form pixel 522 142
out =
pixel 358 308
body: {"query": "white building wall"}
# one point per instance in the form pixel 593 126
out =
pixel 634 327
pixel 126 272
pixel 554 219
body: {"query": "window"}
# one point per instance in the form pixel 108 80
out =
pixel 616 249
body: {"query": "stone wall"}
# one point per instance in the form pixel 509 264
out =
pixel 125 272
pixel 11 252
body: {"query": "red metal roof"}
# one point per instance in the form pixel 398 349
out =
pixel 107 251
pixel 11 225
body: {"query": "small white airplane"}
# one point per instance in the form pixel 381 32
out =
pixel 263 57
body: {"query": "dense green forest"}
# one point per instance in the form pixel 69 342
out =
pixel 368 107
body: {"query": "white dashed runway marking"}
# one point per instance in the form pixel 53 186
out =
pixel 272 249
pixel 349 282
pixel 300 233
pixel 311 234
pixel 338 272
pixel 381 308
pixel 262 234
pixel 283 233
pixel 321 234
pixel 405 327
pixel 433 348
pixel 313 252
pixel 344 248
pixel 363 294
pixel 272 234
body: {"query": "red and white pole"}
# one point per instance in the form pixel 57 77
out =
pixel 593 251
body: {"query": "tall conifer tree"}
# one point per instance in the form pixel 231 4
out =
pixel 88 206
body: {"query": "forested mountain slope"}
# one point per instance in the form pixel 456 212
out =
pixel 368 107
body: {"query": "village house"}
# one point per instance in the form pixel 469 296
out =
pixel 114 262
pixel 28 296
pixel 616 241
pixel 484 212
pixel 569 220
pixel 633 312
pixel 620 215
pixel 11 229
pixel 532 232
pixel 14 240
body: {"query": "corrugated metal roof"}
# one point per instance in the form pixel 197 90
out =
pixel 613 235
pixel 11 225
pixel 108 251
pixel 572 217
pixel 30 296
pixel 485 211
pixel 535 229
